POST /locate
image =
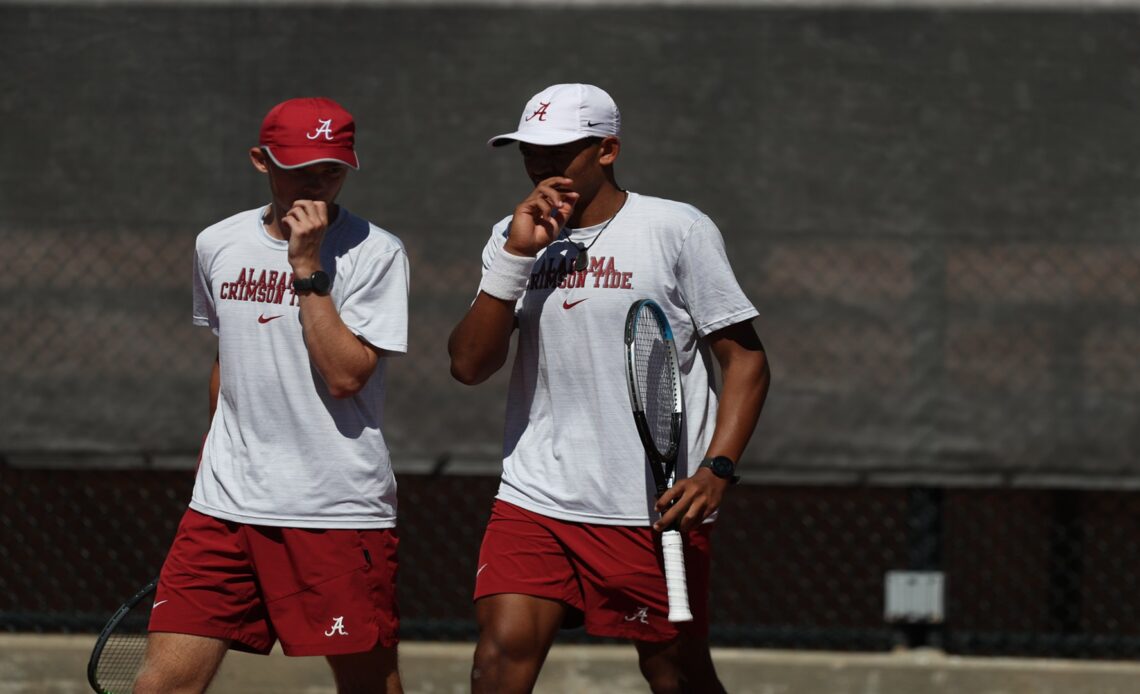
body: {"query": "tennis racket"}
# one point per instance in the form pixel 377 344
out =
pixel 118 653
pixel 655 394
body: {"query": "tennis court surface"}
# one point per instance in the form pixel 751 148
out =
pixel 55 664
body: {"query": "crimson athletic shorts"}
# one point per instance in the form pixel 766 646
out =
pixel 611 575
pixel 320 592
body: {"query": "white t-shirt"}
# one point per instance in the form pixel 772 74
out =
pixel 571 449
pixel 281 450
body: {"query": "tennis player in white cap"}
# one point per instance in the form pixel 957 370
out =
pixel 572 537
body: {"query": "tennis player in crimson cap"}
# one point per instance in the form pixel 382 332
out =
pixel 572 535
pixel 291 531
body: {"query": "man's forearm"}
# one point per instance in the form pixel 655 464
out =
pixel 746 381
pixel 745 378
pixel 480 343
pixel 343 360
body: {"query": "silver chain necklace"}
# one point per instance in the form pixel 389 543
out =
pixel 582 260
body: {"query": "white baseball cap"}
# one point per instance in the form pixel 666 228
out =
pixel 565 113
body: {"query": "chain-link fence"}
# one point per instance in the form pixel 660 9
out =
pixel 1026 572
pixel 935 211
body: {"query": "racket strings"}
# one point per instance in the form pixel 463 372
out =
pixel 655 372
pixel 122 655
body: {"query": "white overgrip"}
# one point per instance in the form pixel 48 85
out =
pixel 675 583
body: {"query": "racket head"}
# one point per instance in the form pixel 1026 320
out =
pixel 118 653
pixel 654 379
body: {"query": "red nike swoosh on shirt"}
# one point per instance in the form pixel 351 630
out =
pixel 263 319
pixel 569 305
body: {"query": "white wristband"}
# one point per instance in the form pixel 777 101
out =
pixel 507 277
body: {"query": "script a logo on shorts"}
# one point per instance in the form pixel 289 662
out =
pixel 540 111
pixel 641 615
pixel 324 129
pixel 337 628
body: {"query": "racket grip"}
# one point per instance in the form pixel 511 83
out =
pixel 675 584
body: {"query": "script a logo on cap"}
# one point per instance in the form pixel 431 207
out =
pixel 325 129
pixel 540 111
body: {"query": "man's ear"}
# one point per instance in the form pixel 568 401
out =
pixel 608 150
pixel 259 159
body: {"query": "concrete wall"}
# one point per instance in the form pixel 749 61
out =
pixel 933 208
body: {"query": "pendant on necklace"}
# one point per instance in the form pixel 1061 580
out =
pixel 583 258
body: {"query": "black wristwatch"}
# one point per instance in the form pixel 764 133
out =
pixel 723 467
pixel 318 283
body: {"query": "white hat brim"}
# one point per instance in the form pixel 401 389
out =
pixel 545 138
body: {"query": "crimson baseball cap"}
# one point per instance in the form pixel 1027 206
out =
pixel 305 131
pixel 564 113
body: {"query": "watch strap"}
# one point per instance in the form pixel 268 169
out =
pixel 718 465
pixel 318 282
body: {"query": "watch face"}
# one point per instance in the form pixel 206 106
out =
pixel 722 467
pixel 321 282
